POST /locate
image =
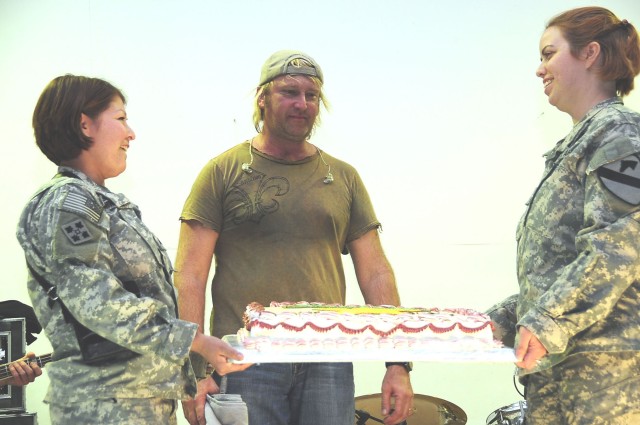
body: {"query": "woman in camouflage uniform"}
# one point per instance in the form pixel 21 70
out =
pixel 96 269
pixel 578 262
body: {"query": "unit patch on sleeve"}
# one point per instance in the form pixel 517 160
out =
pixel 77 232
pixel 622 178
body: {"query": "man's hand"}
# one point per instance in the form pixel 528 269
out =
pixel 194 409
pixel 22 371
pixel 397 385
pixel 529 349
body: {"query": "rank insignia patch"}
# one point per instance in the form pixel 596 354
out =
pixel 77 232
pixel 622 178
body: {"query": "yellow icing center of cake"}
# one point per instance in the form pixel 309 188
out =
pixel 347 309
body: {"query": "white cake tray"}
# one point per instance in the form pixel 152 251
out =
pixel 496 355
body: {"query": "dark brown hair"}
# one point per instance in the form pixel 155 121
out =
pixel 619 44
pixel 57 115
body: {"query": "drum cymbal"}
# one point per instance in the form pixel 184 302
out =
pixel 429 410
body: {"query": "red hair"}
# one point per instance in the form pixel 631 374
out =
pixel 618 40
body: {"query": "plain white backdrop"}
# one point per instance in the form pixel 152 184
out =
pixel 436 104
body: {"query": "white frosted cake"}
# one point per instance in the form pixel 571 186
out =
pixel 287 326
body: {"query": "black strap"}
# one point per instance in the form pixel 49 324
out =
pixel 95 349
pixel 51 292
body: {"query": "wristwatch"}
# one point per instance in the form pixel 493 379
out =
pixel 407 365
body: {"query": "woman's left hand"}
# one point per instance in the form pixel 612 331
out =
pixel 529 349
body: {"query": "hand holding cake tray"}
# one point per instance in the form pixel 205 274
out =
pixel 316 332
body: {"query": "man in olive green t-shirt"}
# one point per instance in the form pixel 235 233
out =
pixel 278 213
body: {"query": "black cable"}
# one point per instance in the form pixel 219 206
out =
pixel 515 375
pixel 363 416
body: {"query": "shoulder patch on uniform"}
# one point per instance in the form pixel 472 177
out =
pixel 622 178
pixel 80 203
pixel 77 232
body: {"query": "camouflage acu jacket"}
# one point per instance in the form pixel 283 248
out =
pixel 578 258
pixel 87 241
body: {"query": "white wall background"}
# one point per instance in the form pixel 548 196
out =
pixel 436 104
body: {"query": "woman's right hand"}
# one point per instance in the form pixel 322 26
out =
pixel 218 353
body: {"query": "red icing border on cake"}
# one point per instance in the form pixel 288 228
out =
pixel 259 308
pixel 380 333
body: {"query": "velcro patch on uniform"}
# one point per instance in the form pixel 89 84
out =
pixel 79 203
pixel 622 178
pixel 77 232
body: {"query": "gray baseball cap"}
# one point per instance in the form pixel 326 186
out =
pixel 279 64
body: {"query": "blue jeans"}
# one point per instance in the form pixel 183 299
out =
pixel 296 393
